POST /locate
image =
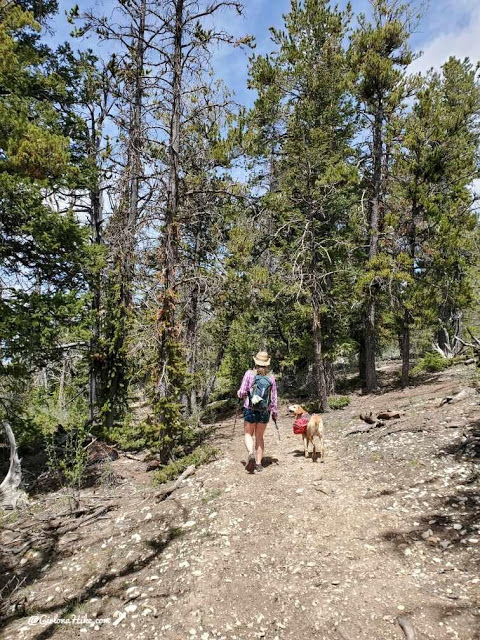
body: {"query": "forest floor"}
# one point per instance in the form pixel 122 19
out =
pixel 387 526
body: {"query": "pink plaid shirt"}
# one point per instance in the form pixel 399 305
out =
pixel 247 384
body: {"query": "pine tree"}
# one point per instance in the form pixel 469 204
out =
pixel 379 56
pixel 435 172
pixel 42 251
pixel 305 111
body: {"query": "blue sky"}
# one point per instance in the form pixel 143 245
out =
pixel 449 27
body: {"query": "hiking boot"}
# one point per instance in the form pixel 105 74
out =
pixel 250 466
pixel 259 467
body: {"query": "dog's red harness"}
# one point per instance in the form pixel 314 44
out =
pixel 300 424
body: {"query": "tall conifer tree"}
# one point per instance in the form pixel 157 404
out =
pixel 379 55
pixel 307 84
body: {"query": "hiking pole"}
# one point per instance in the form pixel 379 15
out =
pixel 236 416
pixel 278 430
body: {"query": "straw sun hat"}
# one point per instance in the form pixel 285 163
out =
pixel 262 359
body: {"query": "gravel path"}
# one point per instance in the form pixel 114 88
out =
pixel 388 526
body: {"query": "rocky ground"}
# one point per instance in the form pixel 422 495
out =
pixel 388 526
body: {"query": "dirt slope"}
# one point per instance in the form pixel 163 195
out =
pixel 387 526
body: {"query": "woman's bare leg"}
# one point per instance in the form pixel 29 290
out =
pixel 259 443
pixel 249 430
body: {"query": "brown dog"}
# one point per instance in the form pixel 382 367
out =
pixel 313 433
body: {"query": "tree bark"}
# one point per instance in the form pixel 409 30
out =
pixel 97 105
pixel 329 377
pixel 134 158
pixel 191 339
pixel 405 348
pixel 320 378
pixel 127 220
pixel 370 346
pixel 96 226
pixel 169 248
pixel 361 357
pixel 374 227
pixel 9 489
pixel 407 316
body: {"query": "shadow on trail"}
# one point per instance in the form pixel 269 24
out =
pixel 97 588
pixel 388 381
pixel 269 460
pixel 391 491
pixel 297 453
pixel 445 612
pixel 455 516
pixel 15 576
pixel 467 446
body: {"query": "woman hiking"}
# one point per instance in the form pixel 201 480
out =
pixel 260 392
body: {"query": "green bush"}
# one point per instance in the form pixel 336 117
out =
pixel 44 411
pixel 432 363
pixel 68 464
pixel 56 421
pixel 133 436
pixel 338 402
pixel 199 456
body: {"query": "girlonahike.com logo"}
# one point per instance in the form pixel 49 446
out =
pixel 45 620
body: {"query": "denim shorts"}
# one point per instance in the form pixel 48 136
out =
pixel 249 415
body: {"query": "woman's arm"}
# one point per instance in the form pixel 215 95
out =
pixel 246 385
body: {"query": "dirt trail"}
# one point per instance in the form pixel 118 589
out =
pixel 387 526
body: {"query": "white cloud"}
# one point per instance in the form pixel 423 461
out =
pixel 452 39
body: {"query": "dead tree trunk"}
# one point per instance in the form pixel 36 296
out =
pixel 407 316
pixel 95 376
pixel 370 346
pixel 361 357
pixel 169 248
pixel 9 489
pixel 475 346
pixel 96 229
pixel 447 347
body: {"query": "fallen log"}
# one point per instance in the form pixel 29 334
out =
pixel 153 465
pixel 461 395
pixel 62 530
pixel 388 415
pixel 55 528
pixel 166 491
pixel 407 628
pixel 368 418
pixel 458 397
